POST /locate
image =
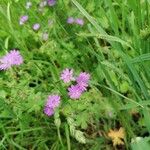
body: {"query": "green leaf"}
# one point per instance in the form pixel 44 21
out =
pixel 140 144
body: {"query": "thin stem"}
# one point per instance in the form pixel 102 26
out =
pixel 59 137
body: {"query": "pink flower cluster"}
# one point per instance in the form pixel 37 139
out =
pixel 53 101
pixel 75 91
pixel 24 18
pixel 12 58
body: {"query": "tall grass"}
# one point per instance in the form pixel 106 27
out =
pixel 125 16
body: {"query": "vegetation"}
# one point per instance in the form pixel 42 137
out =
pixel 109 40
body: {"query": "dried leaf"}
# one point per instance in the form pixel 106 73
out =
pixel 117 136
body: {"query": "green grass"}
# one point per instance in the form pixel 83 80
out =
pixel 113 46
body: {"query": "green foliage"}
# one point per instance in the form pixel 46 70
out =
pixel 140 143
pixel 113 46
pixel 74 132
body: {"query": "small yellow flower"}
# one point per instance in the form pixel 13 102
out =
pixel 117 136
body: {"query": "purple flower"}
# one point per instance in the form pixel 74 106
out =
pixel 51 2
pixel 83 77
pixel 10 59
pixel 82 80
pixel 74 92
pixel 45 36
pixel 28 5
pixel 53 101
pixel 48 111
pixel 83 86
pixel 70 20
pixel 79 21
pixel 67 75
pixel 36 26
pixel 23 19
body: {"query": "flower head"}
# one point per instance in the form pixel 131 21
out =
pixel 74 92
pixel 53 101
pixel 51 2
pixel 36 26
pixel 79 21
pixel 83 86
pixel 67 75
pixel 83 77
pixel 82 80
pixel 10 59
pixel 70 20
pixel 23 19
pixel 28 5
pixel 48 111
